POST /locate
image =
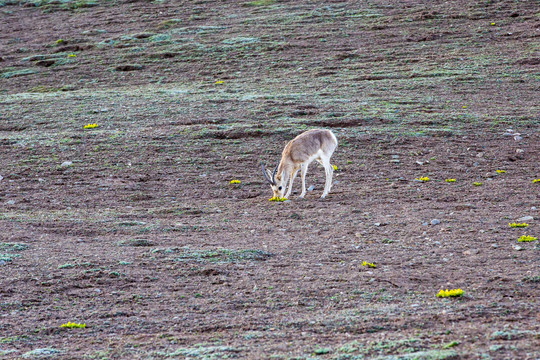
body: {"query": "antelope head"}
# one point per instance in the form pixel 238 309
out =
pixel 276 182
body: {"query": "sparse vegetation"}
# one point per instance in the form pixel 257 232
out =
pixel 135 226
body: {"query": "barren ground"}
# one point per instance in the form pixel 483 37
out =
pixel 134 229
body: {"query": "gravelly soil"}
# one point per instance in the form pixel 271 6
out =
pixel 134 229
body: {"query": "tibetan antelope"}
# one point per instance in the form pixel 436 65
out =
pixel 311 145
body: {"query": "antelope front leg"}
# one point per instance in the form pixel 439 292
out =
pixel 293 175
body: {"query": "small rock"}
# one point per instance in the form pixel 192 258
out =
pixel 395 156
pixel 533 208
pixel 517 137
pixel 11 202
pixel 419 162
pixel 525 219
pixel 480 154
pixel 1 177
pixel 520 151
pixel 377 224
pixel 517 247
pixel 129 67
pixel 67 163
pixel 311 188
pixel 494 246
pixel 425 224
pixel 397 161
pixel 435 222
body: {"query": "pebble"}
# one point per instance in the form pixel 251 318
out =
pixel 525 219
pixel 533 208
pixel 67 163
pixel 520 151
pixel 311 188
pixel 425 224
pixel 517 138
pixel 11 202
pixel 419 162
pixel 1 177
pixel 517 247
pixel 435 222
pixel 494 246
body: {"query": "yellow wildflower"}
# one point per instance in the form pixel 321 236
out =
pixel 73 325
pixel 516 225
pixel 527 238
pixel 450 293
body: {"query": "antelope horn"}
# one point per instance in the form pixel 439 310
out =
pixel 274 175
pixel 266 174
